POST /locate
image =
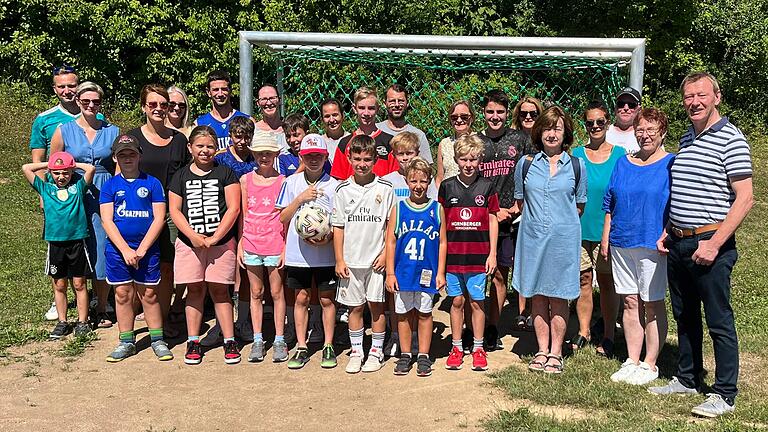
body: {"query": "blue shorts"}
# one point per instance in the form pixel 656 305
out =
pixel 260 260
pixel 120 273
pixel 472 283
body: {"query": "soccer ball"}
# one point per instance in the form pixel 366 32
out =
pixel 312 223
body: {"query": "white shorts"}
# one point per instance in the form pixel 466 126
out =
pixel 363 285
pixel 639 271
pixel 406 301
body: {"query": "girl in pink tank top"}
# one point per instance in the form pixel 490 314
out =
pixel 262 244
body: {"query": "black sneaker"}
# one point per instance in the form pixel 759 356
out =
pixel 82 329
pixel 423 366
pixel 491 337
pixel 62 329
pixel 466 341
pixel 194 353
pixel 299 359
pixel 403 364
pixel 231 352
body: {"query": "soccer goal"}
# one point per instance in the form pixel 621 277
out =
pixel 437 70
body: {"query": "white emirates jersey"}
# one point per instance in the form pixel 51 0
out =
pixel 362 211
pixel 299 253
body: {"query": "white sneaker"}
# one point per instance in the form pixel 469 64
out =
pixel 355 363
pixel 374 362
pixel 627 369
pixel 642 375
pixel 52 314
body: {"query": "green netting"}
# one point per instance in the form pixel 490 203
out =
pixel 436 79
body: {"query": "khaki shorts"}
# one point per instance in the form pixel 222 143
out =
pixel 591 258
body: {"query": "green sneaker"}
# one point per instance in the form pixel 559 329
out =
pixel 299 359
pixel 329 357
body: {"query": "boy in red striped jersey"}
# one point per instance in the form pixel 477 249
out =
pixel 470 204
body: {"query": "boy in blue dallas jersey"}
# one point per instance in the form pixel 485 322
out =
pixel 132 206
pixel 416 253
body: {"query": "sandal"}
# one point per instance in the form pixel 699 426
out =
pixel 103 321
pixel 607 348
pixel 554 368
pixel 578 342
pixel 535 365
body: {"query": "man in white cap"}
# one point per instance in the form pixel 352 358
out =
pixel 622 131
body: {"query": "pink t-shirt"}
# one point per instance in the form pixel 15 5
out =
pixel 263 234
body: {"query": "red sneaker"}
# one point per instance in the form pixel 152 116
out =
pixel 194 354
pixel 479 360
pixel 455 359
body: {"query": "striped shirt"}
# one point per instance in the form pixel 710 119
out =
pixel 701 188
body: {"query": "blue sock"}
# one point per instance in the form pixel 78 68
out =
pixel 193 338
pixel 258 337
pixel 229 340
pixel 279 338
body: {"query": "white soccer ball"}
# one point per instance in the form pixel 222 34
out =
pixel 312 222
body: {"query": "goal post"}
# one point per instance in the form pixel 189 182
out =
pixel 310 67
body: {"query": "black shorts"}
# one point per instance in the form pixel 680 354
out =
pixel 301 278
pixel 67 259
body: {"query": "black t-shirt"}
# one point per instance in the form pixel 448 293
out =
pixel 162 162
pixel 203 200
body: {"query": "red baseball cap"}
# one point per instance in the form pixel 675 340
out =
pixel 61 160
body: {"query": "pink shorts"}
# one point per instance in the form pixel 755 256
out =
pixel 215 264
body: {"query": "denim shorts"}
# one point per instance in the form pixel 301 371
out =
pixel 260 260
pixel 472 283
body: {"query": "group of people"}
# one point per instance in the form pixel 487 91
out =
pixel 203 208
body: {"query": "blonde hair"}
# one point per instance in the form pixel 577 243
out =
pixel 364 92
pixel 87 86
pixel 418 164
pixel 175 89
pixel 468 144
pixel 696 76
pixel 405 141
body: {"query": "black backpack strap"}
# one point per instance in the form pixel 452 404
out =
pixel 576 165
pixel 526 166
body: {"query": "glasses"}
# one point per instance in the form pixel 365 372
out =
pixel 87 102
pixel 272 99
pixel 180 105
pixel 592 123
pixel 154 105
pixel 630 104
pixel 63 69
pixel 463 117
pixel 652 132
pixel 525 114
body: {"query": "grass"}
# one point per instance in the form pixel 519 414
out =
pixel 75 346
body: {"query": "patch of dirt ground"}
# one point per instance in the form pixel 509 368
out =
pixel 47 392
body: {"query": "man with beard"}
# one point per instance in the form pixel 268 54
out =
pixel 222 112
pixel 396 101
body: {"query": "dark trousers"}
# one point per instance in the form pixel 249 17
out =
pixel 690 286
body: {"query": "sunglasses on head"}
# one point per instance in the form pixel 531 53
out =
pixel 154 105
pixel 462 117
pixel 525 114
pixel 63 69
pixel 180 105
pixel 87 102
pixel 630 104
pixel 592 123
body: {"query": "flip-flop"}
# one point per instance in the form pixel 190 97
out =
pixel 103 321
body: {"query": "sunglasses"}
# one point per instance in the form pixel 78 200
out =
pixel 154 105
pixel 525 114
pixel 180 105
pixel 87 102
pixel 63 69
pixel 463 117
pixel 630 104
pixel 592 123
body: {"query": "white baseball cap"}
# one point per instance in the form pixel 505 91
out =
pixel 313 143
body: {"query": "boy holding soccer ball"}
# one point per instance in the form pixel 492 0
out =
pixel 360 214
pixel 309 257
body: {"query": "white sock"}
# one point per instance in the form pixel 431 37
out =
pixel 356 340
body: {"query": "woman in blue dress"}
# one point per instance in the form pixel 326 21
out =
pixel 89 140
pixel 552 194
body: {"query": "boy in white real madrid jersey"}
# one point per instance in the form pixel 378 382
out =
pixel 306 260
pixel 361 209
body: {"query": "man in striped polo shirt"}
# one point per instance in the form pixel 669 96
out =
pixel 711 195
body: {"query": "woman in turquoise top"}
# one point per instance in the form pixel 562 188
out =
pixel 600 157
pixel 89 140
pixel 547 263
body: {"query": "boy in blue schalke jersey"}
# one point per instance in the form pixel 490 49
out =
pixel 133 213
pixel 416 253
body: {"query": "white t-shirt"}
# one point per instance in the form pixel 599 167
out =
pixel 299 253
pixel 333 144
pixel 362 211
pixel 401 187
pixel 622 138
pixel 424 151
